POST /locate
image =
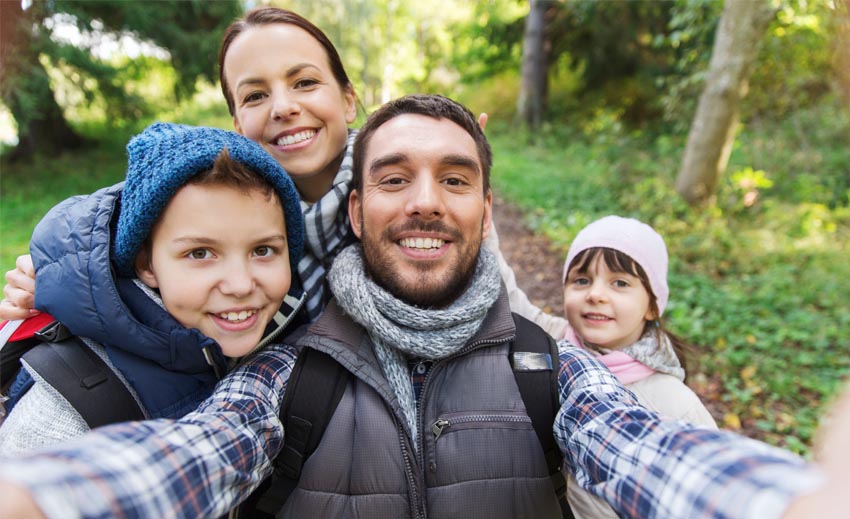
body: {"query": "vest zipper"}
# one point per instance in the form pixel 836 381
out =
pixel 419 418
pixel 441 424
pixel 411 477
pixel 420 454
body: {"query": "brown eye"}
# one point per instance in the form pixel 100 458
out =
pixel 200 254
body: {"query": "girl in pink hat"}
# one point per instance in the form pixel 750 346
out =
pixel 615 291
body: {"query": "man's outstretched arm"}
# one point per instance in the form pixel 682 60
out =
pixel 199 466
pixel 647 467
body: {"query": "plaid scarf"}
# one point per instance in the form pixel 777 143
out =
pixel 328 231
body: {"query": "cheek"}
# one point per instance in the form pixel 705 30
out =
pixel 248 125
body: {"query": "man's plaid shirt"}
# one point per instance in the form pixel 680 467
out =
pixel 203 464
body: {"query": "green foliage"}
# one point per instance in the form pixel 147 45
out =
pixel 187 33
pixel 28 189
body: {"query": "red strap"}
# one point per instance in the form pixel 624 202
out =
pixel 30 325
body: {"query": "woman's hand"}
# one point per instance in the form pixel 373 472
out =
pixel 19 291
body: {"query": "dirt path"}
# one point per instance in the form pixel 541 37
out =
pixel 537 265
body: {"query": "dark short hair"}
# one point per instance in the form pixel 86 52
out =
pixel 269 16
pixel 228 172
pixel 429 105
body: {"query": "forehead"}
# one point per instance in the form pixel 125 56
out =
pixel 421 138
pixel 278 44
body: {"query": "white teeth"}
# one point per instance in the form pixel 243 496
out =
pixel 237 316
pixel 422 243
pixel 298 137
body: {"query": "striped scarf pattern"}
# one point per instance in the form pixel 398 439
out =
pixel 328 231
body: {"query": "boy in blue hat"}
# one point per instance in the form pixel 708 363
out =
pixel 169 282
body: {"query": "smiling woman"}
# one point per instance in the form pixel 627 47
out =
pixel 290 102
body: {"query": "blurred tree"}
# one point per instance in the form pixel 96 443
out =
pixel 742 27
pixel 188 30
pixel 842 50
pixel 25 86
pixel 534 76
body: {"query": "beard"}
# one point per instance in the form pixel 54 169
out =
pixel 428 288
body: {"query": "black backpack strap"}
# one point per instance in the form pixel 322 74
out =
pixel 313 392
pixel 82 378
pixel 534 359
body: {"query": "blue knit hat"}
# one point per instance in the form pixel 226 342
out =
pixel 164 157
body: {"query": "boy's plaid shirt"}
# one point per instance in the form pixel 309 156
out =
pixel 202 464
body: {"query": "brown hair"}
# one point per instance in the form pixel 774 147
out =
pixel 269 16
pixel 617 261
pixel 430 105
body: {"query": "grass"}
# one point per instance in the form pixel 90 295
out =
pixel 760 288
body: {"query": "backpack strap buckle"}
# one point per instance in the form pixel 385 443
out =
pixel 53 332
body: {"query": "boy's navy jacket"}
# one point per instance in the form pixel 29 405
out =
pixel 163 361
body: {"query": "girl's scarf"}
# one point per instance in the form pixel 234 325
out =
pixel 327 232
pixel 400 330
pixel 638 360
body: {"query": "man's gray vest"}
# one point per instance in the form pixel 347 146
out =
pixel 478 455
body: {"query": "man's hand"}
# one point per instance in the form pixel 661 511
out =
pixel 18 503
pixel 19 291
pixel 832 453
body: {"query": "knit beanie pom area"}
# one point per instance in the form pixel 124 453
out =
pixel 632 237
pixel 164 157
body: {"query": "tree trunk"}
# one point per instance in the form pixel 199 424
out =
pixel 741 29
pixel 842 51
pixel 531 103
pixel 26 91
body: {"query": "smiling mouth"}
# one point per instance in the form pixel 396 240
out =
pixel 236 317
pixel 597 317
pixel 422 243
pixel 288 140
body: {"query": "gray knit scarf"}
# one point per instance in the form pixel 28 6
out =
pixel 399 330
pixel 327 232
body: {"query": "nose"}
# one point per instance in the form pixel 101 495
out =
pixel 598 292
pixel 284 105
pixel 426 198
pixel 237 279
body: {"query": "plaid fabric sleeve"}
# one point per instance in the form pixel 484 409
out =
pixel 199 466
pixel 648 467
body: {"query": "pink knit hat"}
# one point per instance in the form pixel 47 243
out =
pixel 634 238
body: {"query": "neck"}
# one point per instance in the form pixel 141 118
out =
pixel 313 187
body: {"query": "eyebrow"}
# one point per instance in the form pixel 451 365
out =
pixel 292 71
pixel 447 160
pixel 203 240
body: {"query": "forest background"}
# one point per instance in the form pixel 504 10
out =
pixel 759 274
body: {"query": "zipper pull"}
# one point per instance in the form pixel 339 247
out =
pixel 439 426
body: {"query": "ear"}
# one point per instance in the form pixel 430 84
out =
pixel 144 269
pixel 237 126
pixel 650 314
pixel 487 222
pixel 355 211
pixel 350 99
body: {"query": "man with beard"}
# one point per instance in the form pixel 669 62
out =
pixel 431 422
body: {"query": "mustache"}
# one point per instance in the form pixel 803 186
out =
pixel 414 225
